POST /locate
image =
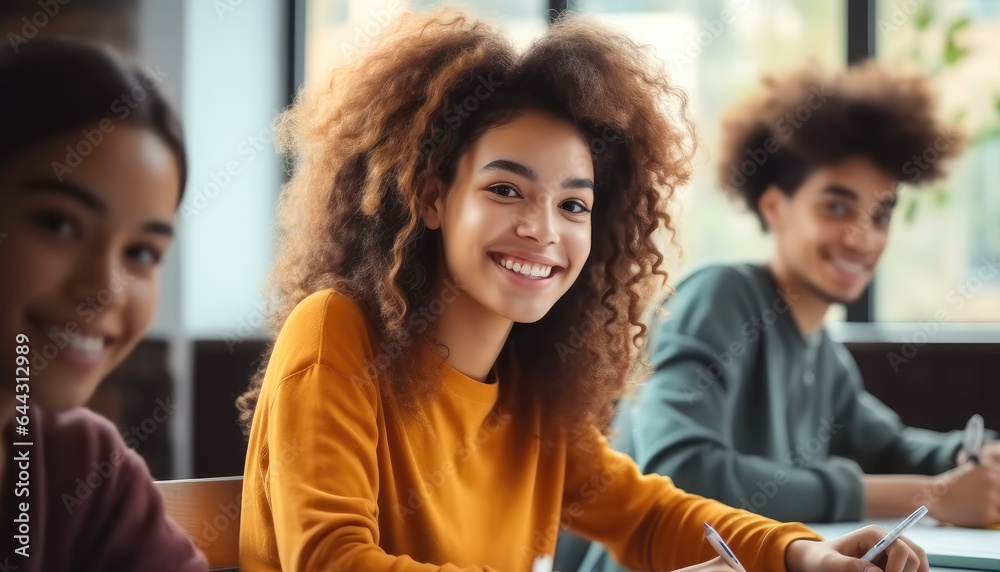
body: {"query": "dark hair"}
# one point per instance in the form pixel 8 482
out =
pixel 809 118
pixel 52 86
pixel 349 217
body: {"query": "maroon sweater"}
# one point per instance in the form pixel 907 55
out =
pixel 92 503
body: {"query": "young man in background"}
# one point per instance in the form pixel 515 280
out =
pixel 751 402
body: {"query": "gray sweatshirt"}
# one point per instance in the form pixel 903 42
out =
pixel 742 408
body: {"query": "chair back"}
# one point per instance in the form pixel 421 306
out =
pixel 208 510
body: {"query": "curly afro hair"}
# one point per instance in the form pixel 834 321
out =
pixel 810 118
pixel 367 143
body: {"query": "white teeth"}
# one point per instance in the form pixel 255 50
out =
pixel 849 267
pixel 86 344
pixel 532 270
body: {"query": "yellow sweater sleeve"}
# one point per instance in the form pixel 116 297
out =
pixel 318 460
pixel 646 523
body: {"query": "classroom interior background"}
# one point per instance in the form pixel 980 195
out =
pixel 925 335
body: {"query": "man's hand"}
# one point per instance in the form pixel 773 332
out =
pixel 968 495
pixel 844 554
pixel 988 455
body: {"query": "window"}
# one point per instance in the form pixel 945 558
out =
pixel 337 29
pixel 718 51
pixel 943 263
pixel 944 250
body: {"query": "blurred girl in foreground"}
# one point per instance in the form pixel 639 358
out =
pixel 92 168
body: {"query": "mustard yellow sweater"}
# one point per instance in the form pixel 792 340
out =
pixel 336 479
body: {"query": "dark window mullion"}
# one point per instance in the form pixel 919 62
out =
pixel 861 23
pixel 556 8
pixel 295 28
pixel 860 30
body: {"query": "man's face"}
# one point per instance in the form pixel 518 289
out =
pixel 831 232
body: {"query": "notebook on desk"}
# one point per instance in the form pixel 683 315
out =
pixel 946 546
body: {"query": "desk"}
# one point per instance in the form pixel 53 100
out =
pixel 948 547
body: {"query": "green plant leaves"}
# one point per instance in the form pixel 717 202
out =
pixel 922 19
pixel 952 51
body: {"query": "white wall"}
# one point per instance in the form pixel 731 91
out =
pixel 234 86
pixel 224 61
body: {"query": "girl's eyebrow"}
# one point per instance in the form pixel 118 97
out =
pixel 527 173
pixel 80 194
pixel 89 200
pixel 513 167
pixel 578 183
pixel 159 227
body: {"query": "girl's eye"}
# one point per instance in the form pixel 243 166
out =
pixel 575 207
pixel 57 224
pixel 504 191
pixel 145 255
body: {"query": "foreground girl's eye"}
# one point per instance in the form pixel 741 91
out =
pixel 504 190
pixel 55 223
pixel 144 255
pixel 575 207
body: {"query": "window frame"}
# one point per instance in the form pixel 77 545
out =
pixel 860 30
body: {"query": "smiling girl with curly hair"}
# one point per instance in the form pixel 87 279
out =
pixel 467 249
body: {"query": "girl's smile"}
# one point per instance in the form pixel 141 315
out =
pixel 81 347
pixel 515 221
pixel 527 271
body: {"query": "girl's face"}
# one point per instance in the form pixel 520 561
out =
pixel 515 222
pixel 79 255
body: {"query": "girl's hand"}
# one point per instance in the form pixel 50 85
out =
pixel 714 565
pixel 844 554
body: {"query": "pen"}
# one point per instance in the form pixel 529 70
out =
pixel 896 533
pixel 975 433
pixel 542 564
pixel 720 546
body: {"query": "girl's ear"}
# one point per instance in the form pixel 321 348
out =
pixel 432 204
